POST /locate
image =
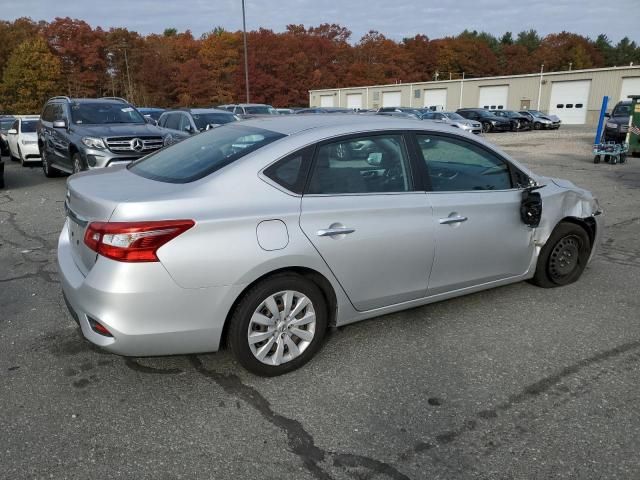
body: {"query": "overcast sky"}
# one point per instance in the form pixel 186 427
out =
pixel 394 18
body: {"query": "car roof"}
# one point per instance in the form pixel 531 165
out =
pixel 252 105
pixel 292 124
pixel 206 110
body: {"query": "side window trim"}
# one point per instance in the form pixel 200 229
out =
pixel 513 171
pixel 341 138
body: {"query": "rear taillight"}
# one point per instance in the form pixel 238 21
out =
pixel 133 241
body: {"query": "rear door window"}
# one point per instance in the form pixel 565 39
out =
pixel 203 154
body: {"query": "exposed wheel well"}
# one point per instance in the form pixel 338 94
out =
pixel 316 277
pixel 588 224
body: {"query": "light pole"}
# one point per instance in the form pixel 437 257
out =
pixel 246 60
pixel 540 85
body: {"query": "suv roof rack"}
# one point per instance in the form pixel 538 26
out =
pixel 61 97
pixel 120 99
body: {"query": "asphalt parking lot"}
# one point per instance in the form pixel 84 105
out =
pixel 512 383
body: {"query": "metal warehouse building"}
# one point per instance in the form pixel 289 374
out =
pixel 575 96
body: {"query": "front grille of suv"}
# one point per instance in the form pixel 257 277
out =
pixel 127 144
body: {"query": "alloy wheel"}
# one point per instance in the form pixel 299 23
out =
pixel 282 327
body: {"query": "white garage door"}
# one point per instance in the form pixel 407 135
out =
pixel 354 100
pixel 436 97
pixel 391 99
pixel 630 86
pixel 326 100
pixel 494 97
pixel 569 101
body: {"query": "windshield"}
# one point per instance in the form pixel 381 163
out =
pixel 29 126
pixel 99 113
pixel 203 119
pixel 5 124
pixel 536 113
pixel 621 111
pixel 155 114
pixel 259 110
pixel 203 154
pixel 454 116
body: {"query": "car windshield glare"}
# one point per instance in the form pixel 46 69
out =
pixel 203 119
pixel 100 113
pixel 203 154
pixel 29 126
pixel 622 111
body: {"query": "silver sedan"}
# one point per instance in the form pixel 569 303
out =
pixel 261 234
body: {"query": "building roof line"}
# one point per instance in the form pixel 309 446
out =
pixel 500 77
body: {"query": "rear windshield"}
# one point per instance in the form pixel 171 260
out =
pixel 204 119
pixel 102 113
pixel 5 124
pixel 203 154
pixel 29 126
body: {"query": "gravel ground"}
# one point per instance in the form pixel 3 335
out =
pixel 512 383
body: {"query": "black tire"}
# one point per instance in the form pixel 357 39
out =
pixel 77 163
pixel 486 127
pixel 537 126
pixel 623 157
pixel 564 257
pixel 48 170
pixel 596 159
pixel 240 320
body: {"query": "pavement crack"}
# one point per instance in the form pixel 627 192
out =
pixel 300 441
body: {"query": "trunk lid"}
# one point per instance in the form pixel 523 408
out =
pixel 93 197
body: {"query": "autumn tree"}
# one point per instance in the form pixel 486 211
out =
pixel 81 51
pixel 565 50
pixel 31 76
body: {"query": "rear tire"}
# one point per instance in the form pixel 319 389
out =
pixel 596 159
pixel 253 305
pixel 564 257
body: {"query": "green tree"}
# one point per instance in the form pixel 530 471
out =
pixel 529 39
pixel 32 75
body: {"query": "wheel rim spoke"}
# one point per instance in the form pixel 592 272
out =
pixel 261 319
pixel 287 301
pixel 302 303
pixel 305 335
pixel 272 306
pixel 291 345
pixel 263 350
pixel 256 337
pixel 278 356
pixel 305 320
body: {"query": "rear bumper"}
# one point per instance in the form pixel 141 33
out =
pixel 144 309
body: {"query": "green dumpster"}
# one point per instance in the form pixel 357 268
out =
pixel 633 137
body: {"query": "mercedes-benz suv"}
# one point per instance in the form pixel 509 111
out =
pixel 88 133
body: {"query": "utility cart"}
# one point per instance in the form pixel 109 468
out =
pixel 610 152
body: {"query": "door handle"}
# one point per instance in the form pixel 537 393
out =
pixel 330 232
pixel 450 220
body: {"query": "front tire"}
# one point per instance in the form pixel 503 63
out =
pixel 486 127
pixel 537 126
pixel 278 325
pixel 48 170
pixel 78 164
pixel 564 257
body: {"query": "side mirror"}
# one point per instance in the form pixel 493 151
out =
pixel 60 123
pixel 150 120
pixel 12 131
pixel 188 129
pixel 531 206
pixel 374 159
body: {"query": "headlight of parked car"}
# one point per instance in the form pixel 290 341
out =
pixel 28 142
pixel 93 142
pixel 612 125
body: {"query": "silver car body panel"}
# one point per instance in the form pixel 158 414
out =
pixel 399 256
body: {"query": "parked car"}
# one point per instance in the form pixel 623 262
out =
pixel 617 125
pixel 489 121
pixel 1 172
pixel 86 133
pixel 518 121
pixel 405 115
pixel 324 110
pixel 263 233
pixel 228 107
pixel 285 111
pixel 411 111
pixel 5 124
pixel 453 119
pixel 540 120
pixel 152 112
pixel 190 121
pixel 23 140
pixel 254 109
